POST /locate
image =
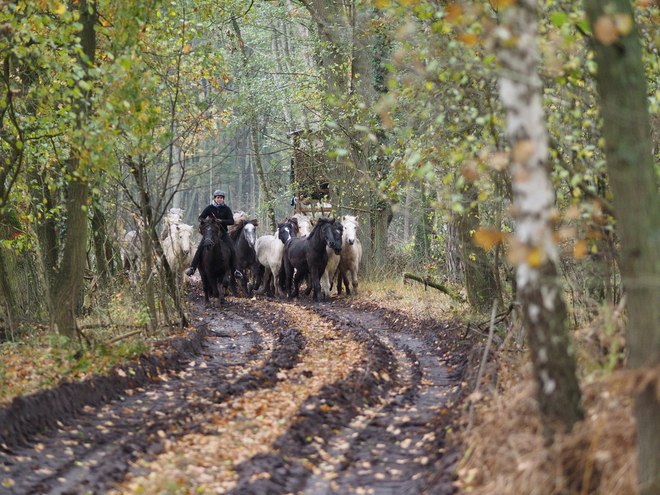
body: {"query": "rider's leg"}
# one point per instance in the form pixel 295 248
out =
pixel 227 239
pixel 195 261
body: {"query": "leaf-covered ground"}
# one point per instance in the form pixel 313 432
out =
pixel 263 396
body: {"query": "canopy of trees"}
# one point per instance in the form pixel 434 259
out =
pixel 508 148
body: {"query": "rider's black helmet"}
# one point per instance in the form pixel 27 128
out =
pixel 218 192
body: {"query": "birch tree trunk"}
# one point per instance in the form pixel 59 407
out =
pixel 533 249
pixel 628 146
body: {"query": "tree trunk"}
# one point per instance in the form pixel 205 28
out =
pixel 480 284
pixel 69 277
pixel 352 51
pixel 533 249
pixel 626 128
pixel 102 249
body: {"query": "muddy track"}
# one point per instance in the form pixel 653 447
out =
pixel 380 429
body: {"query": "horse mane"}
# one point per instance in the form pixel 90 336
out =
pixel 292 221
pixel 239 223
pixel 317 225
pixel 349 219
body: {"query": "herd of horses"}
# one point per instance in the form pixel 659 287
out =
pixel 317 251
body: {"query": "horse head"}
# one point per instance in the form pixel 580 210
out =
pixel 304 224
pixel 350 228
pixel 250 232
pixel 210 230
pixel 185 234
pixel 286 229
pixel 175 215
pixel 332 231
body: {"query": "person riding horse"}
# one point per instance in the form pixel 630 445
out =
pixel 222 212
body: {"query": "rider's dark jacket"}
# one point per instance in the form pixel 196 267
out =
pixel 221 212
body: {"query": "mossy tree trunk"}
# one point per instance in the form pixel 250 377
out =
pixel 628 147
pixel 480 284
pixel 68 280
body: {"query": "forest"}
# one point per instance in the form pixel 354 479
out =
pixel 504 151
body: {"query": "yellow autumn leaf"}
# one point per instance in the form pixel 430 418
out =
pixel 605 30
pixel 59 8
pixel 487 238
pixel 469 171
pixel 567 233
pixel 523 151
pixel 499 161
pixel 381 4
pixel 454 11
pixel 187 48
pixel 580 249
pixel 536 257
pixel 468 38
pixel 572 212
pixel 623 23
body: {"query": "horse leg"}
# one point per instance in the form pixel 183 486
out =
pixel 258 275
pixel 263 280
pixel 344 281
pixel 316 282
pixel 288 277
pixel 339 280
pixel 308 286
pixel 344 277
pixel 296 283
pixel 207 288
pixel 244 283
pixel 325 283
pixel 280 279
pixel 214 286
pixel 354 280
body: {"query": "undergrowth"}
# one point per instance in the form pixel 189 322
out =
pixel 505 450
pixel 41 360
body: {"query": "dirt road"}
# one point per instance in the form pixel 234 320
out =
pixel 263 397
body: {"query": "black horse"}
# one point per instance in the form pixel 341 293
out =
pixel 308 255
pixel 244 235
pixel 215 265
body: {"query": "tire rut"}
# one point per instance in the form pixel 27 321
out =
pixel 387 450
pixel 393 445
pixel 380 429
pixel 92 450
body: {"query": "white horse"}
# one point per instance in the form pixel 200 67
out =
pixel 351 254
pixel 330 269
pixel 130 247
pixel 304 224
pixel 269 249
pixel 175 215
pixel 177 245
